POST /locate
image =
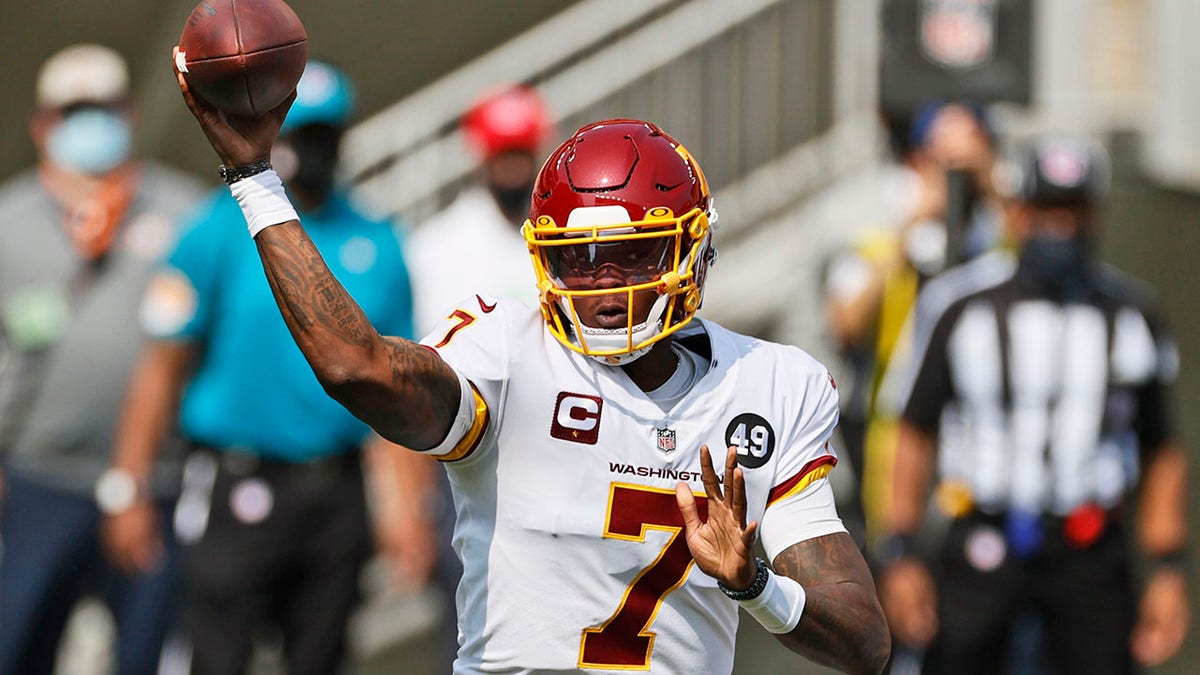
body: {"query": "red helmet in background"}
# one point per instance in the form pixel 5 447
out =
pixel 620 194
pixel 514 119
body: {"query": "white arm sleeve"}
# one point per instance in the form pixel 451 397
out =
pixel 462 421
pixel 805 515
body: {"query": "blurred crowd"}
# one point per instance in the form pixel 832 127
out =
pixel 1005 397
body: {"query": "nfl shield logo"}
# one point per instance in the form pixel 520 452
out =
pixel 958 33
pixel 666 440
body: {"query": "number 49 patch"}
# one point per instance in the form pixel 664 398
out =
pixel 753 437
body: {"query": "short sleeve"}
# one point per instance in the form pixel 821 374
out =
pixel 474 340
pixel 1155 423
pixel 927 384
pixel 805 515
pixel 807 454
pixel 179 298
pixel 807 457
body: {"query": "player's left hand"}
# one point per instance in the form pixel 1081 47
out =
pixel 1163 618
pixel 723 545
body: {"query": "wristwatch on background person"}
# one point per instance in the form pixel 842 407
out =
pixel 893 547
pixel 118 490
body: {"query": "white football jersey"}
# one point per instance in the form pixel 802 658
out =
pixel 570 536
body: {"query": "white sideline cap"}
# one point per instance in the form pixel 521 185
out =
pixel 82 73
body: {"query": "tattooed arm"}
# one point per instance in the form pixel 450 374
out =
pixel 842 625
pixel 404 391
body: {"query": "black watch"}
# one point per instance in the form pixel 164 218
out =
pixel 232 174
pixel 893 547
pixel 756 587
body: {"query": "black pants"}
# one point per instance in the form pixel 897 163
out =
pixel 282 548
pixel 1083 599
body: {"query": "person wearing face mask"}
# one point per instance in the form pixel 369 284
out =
pixel 1038 409
pixel 79 235
pixel 474 245
pixel 273 513
pixel 940 209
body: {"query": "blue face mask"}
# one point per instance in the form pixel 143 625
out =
pixel 91 141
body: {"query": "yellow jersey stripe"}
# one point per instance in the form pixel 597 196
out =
pixel 474 435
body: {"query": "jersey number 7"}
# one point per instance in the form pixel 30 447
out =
pixel 625 641
pixel 462 319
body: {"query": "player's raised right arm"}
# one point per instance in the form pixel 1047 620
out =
pixel 406 392
pixel 403 390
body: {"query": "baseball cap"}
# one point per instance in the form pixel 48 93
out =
pixel 324 95
pixel 513 118
pixel 1057 170
pixel 926 115
pixel 82 73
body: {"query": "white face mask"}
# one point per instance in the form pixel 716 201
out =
pixel 90 140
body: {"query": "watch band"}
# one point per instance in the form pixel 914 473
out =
pixel 893 547
pixel 232 174
pixel 1177 560
pixel 756 587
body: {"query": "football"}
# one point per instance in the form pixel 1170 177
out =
pixel 242 56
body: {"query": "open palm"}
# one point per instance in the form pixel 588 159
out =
pixel 723 544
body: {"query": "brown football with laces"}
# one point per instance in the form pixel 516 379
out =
pixel 243 56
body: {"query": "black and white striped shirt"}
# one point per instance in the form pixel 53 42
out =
pixel 1039 404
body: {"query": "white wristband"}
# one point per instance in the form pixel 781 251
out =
pixel 779 606
pixel 263 200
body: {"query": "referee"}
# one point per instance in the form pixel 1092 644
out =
pixel 1039 398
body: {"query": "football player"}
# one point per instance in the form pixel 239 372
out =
pixel 577 436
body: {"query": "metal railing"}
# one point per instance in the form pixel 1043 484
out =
pixel 741 82
pixel 746 84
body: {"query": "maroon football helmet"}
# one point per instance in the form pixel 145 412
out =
pixel 620 198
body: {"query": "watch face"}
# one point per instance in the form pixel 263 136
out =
pixel 116 491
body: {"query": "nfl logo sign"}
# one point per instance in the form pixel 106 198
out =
pixel 958 33
pixel 666 440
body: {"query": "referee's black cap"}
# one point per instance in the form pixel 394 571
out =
pixel 1056 170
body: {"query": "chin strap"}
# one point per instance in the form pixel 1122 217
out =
pixel 609 339
pixel 622 359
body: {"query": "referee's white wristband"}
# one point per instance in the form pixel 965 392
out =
pixel 779 606
pixel 263 200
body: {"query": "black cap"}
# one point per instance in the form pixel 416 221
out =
pixel 1057 171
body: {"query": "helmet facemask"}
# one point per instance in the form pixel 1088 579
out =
pixel 603 259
